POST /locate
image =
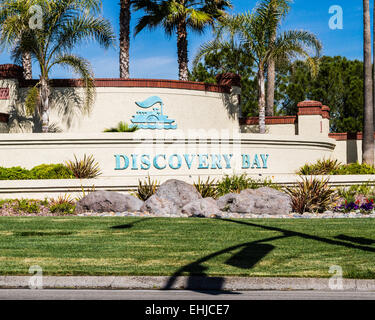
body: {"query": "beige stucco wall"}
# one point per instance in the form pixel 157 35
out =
pixel 311 125
pixel 192 109
pixel 348 151
pixel 283 156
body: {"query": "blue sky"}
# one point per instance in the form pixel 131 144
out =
pixel 153 55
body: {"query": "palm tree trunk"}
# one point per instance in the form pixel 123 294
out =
pixel 44 99
pixel 261 100
pixel 270 88
pixel 368 112
pixel 271 83
pixel 27 66
pixel 124 38
pixel 182 51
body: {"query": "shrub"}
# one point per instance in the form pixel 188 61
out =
pixel 207 189
pixel 29 206
pixel 63 204
pixel 122 127
pixel 349 194
pixel 346 194
pixel 86 168
pixel 321 167
pixel 14 173
pixel 354 168
pixel 43 171
pixel 237 183
pixel 3 202
pixel 51 171
pixel 147 188
pixel 312 195
pixel 65 208
pixel 333 167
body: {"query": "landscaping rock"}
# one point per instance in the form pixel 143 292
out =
pixel 234 202
pixel 160 206
pixel 225 201
pixel 178 192
pixel 258 201
pixel 107 201
pixel 206 207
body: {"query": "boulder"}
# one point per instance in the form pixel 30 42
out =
pixel 206 207
pixel 178 192
pixel 158 205
pixel 108 201
pixel 225 201
pixel 234 202
pixel 257 201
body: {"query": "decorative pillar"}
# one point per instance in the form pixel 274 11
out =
pixel 233 82
pixel 325 119
pixel 313 119
pixel 10 75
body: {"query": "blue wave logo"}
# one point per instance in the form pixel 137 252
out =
pixel 154 119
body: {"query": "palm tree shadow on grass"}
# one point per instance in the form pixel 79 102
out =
pixel 130 225
pixel 249 255
pixel 359 240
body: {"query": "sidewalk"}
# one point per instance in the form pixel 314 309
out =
pixel 193 283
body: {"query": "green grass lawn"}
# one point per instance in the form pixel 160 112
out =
pixel 161 246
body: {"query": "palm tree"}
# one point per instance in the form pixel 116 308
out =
pixel 178 16
pixel 66 23
pixel 283 7
pixel 368 112
pixel 124 38
pixel 10 9
pixel 247 32
pixel 21 10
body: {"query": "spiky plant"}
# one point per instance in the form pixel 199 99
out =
pixel 321 167
pixel 63 204
pixel 86 168
pixel 312 195
pixel 146 188
pixel 207 188
pixel 65 24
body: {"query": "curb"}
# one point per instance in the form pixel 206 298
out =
pixel 192 283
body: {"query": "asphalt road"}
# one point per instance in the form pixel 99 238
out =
pixel 63 294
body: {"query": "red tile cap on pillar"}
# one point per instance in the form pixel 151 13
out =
pixel 325 112
pixel 228 79
pixel 309 107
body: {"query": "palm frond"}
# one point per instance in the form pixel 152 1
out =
pixel 83 68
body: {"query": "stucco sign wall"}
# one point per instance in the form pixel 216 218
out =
pixel 121 155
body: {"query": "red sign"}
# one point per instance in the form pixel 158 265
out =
pixel 4 93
